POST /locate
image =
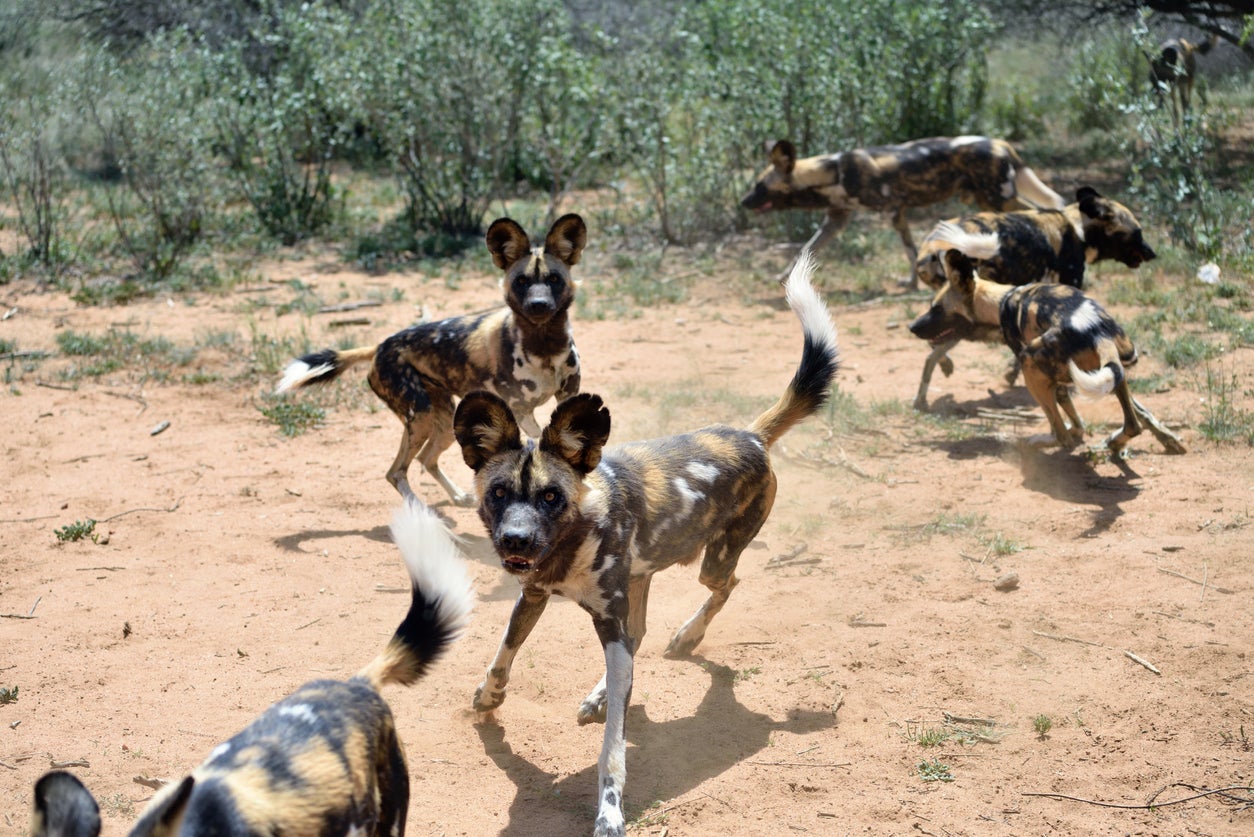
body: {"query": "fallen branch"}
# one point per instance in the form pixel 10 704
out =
pixel 1134 658
pixel 1203 584
pixel 1151 804
pixel 172 508
pixel 348 306
pixel 1069 639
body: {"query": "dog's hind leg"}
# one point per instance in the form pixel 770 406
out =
pixel 413 437
pixel 1169 440
pixel 1045 391
pixel 491 692
pixel 1131 427
pixel 939 354
pixel 441 439
pixel 907 240
pixel 718 568
pixel 1068 407
pixel 834 222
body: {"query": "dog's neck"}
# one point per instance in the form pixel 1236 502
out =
pixel 986 301
pixel 547 340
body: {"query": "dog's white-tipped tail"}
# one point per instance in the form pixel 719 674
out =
pixel 441 600
pixel 812 382
pixel 297 374
pixel 1097 383
pixel 981 246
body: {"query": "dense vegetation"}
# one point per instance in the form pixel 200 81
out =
pixel 137 137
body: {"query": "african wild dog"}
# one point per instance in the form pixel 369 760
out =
pixel 1034 245
pixel 1174 69
pixel 895 178
pixel 568 516
pixel 523 352
pixel 1060 336
pixel 323 760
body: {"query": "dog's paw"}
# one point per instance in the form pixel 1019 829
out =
pixel 604 828
pixel 487 699
pixel 946 365
pixel 592 710
pixel 1042 440
pixel 682 645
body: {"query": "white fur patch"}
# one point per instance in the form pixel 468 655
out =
pixel 690 497
pixel 981 246
pixel 1092 384
pixel 1008 189
pixel 299 712
pixel 966 139
pixel 1087 317
pixel 220 750
pixel 434 564
pixel 703 471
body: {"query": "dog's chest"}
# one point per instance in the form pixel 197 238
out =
pixel 526 379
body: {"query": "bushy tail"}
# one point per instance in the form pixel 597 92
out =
pixel 812 382
pixel 1098 383
pixel 441 599
pixel 1032 191
pixel 976 245
pixel 321 367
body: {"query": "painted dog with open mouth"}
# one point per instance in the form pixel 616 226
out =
pixel 1034 245
pixel 523 352
pixel 326 759
pixel 895 178
pixel 567 515
pixel 1060 336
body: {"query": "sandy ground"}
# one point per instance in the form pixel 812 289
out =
pixel 235 563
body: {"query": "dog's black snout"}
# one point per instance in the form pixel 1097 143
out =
pixel 517 541
pixel 1147 253
pixel 539 300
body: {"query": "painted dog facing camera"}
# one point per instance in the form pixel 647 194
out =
pixel 324 760
pixel 569 516
pixel 523 352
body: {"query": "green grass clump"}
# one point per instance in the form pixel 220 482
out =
pixel 294 417
pixel 77 531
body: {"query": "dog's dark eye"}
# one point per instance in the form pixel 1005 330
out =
pixel 551 496
pixel 498 492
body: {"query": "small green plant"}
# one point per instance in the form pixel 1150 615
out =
pixel 931 737
pixel 1224 420
pixel 1041 724
pixel 999 543
pixel 8 695
pixel 934 771
pixel 746 673
pixel 76 531
pixel 1226 739
pixel 294 417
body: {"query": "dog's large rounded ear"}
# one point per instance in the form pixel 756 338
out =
pixel 165 810
pixel 577 432
pixel 783 155
pixel 1091 203
pixel 960 269
pixel 507 242
pixel 566 239
pixel 64 807
pixel 484 426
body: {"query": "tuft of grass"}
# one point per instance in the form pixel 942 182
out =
pixel 931 737
pixel 8 695
pixel 998 543
pixel 934 771
pixel 1042 724
pixel 1224 420
pixel 294 417
pixel 77 531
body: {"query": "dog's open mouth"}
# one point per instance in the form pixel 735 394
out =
pixel 517 564
pixel 943 337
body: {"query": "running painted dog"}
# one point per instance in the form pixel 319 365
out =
pixel 523 352
pixel 1034 245
pixel 895 178
pixel 323 760
pixel 569 516
pixel 1061 337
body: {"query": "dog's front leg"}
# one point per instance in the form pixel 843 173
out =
pixel 491 692
pixel 527 422
pixel 902 226
pixel 939 354
pixel 612 766
pixel 834 222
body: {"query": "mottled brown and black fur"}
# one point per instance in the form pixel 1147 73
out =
pixel 523 352
pixel 895 178
pixel 1173 70
pixel 1035 245
pixel 326 759
pixel 569 516
pixel 1060 336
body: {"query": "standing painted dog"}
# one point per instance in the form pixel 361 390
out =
pixel 1034 245
pixel 895 178
pixel 568 516
pixel 523 352
pixel 326 759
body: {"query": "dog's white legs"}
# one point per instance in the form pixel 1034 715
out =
pixel 612 767
pixel 527 610
pixel 592 710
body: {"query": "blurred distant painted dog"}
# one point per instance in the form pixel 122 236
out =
pixel 1060 336
pixel 894 178
pixel 1035 245
pixel 524 352
pixel 1173 70
pixel 324 760
pixel 569 516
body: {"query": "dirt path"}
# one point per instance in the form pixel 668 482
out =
pixel 238 563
